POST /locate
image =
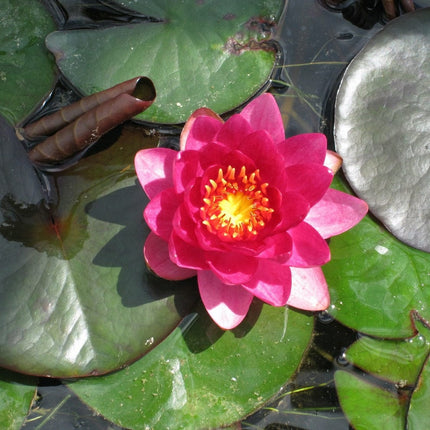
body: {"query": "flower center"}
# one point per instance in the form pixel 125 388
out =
pixel 236 206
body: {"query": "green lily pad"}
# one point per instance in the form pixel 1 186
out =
pixel 16 394
pixel 367 406
pixel 375 281
pixel 382 130
pixel 199 53
pixel 75 296
pixel 27 69
pixel 398 386
pixel 201 376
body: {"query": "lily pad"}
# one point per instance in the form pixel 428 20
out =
pixel 398 382
pixel 201 376
pixel 375 281
pixel 198 53
pixel 75 296
pixel 27 69
pixel 382 130
pixel 16 394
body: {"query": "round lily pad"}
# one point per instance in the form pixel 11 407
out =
pixel 382 129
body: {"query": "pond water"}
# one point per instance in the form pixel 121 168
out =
pixel 318 42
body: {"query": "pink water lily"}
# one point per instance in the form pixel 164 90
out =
pixel 245 210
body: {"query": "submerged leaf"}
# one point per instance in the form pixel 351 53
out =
pixel 27 71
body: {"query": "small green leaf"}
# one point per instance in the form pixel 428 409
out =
pixel 27 69
pixel 398 361
pixel 211 53
pixel 419 411
pixel 367 406
pixel 201 376
pixel 16 394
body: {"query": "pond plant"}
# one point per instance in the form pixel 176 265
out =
pixel 199 312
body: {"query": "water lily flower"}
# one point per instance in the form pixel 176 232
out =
pixel 245 210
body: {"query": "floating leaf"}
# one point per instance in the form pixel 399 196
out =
pixel 382 129
pixel 201 376
pixel 75 297
pixel 209 53
pixel 367 406
pixel 16 394
pixel 398 384
pixel 375 280
pixel 26 68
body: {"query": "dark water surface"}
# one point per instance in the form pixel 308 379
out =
pixel 318 42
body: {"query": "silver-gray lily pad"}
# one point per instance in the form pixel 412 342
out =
pixel 382 127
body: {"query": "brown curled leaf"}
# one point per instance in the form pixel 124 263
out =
pixel 48 125
pixel 88 128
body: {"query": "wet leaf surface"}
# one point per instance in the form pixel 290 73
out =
pixel 197 54
pixel 16 395
pixel 75 296
pixel 382 129
pixel 27 71
pixel 201 376
pixel 398 382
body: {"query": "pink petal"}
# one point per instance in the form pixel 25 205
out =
pixel 309 180
pixel 232 268
pixel 336 213
pixel 293 211
pixel 189 124
pixel 309 289
pixel 304 149
pixel 226 304
pixel 160 211
pixel 233 131
pixel 201 132
pixel 271 283
pixel 187 168
pixel 263 114
pixel 259 146
pixel 333 161
pixel 276 245
pixel 309 248
pixel 186 255
pixel 154 169
pixel 156 254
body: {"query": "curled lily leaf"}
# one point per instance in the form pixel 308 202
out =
pixel 75 128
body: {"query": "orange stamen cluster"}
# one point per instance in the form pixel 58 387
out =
pixel 236 206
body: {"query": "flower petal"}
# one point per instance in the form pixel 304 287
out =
pixel 259 146
pixel 233 131
pixel 304 149
pixel 201 132
pixel 271 283
pixel 187 168
pixel 232 268
pixel 276 245
pixel 309 289
pixel 189 124
pixel 263 114
pixel 186 255
pixel 156 254
pixel 226 304
pixel 336 213
pixel 160 211
pixel 333 161
pixel 309 248
pixel 154 169
pixel 309 180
